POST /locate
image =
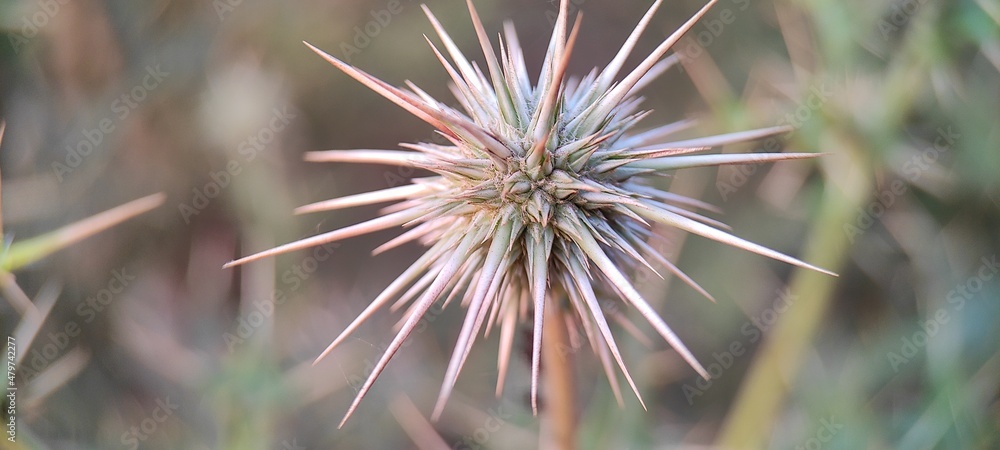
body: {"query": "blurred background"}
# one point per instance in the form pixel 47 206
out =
pixel 136 338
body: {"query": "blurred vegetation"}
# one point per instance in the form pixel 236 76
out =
pixel 147 343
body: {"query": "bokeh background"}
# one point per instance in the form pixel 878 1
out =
pixel 136 338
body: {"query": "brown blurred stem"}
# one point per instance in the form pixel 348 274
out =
pixel 559 409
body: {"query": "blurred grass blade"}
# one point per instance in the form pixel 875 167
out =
pixel 415 425
pixel 30 250
pixel 3 127
pixel 31 322
pixel 56 375
pixel 15 295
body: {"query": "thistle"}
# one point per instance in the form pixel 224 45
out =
pixel 542 189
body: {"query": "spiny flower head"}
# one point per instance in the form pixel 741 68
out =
pixel 541 189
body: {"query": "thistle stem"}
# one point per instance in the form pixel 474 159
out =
pixel 559 408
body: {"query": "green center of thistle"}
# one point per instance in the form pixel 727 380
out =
pixel 536 187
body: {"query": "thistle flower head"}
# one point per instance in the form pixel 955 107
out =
pixel 540 189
